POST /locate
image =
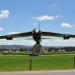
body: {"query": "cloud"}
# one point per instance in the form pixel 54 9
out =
pixel 1 29
pixel 45 42
pixel 17 41
pixel 45 18
pixel 13 32
pixel 66 25
pixel 4 14
pixel 58 42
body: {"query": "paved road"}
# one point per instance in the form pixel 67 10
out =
pixel 69 72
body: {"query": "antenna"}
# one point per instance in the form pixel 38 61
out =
pixel 34 25
pixel 39 25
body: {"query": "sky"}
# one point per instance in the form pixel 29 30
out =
pixel 21 16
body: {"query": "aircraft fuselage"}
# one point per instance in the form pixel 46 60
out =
pixel 37 36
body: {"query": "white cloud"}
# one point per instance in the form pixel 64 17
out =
pixel 51 42
pixel 1 29
pixel 17 41
pixel 45 18
pixel 66 25
pixel 13 32
pixel 58 42
pixel 4 14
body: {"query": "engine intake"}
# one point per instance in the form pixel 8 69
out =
pixel 66 37
pixel 9 37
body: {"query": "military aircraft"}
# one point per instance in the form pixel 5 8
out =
pixel 36 34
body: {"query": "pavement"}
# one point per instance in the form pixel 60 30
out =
pixel 57 72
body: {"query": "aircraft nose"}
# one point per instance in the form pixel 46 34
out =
pixel 37 30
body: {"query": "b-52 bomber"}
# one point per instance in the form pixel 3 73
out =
pixel 37 37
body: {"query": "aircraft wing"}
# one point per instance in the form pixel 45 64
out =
pixel 11 36
pixel 41 38
pixel 65 36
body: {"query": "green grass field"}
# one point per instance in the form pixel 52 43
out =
pixel 42 62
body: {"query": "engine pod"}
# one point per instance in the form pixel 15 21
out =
pixel 66 37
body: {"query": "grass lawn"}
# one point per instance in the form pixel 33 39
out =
pixel 47 62
pixel 53 62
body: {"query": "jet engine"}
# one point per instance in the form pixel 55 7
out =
pixel 66 37
pixel 9 37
